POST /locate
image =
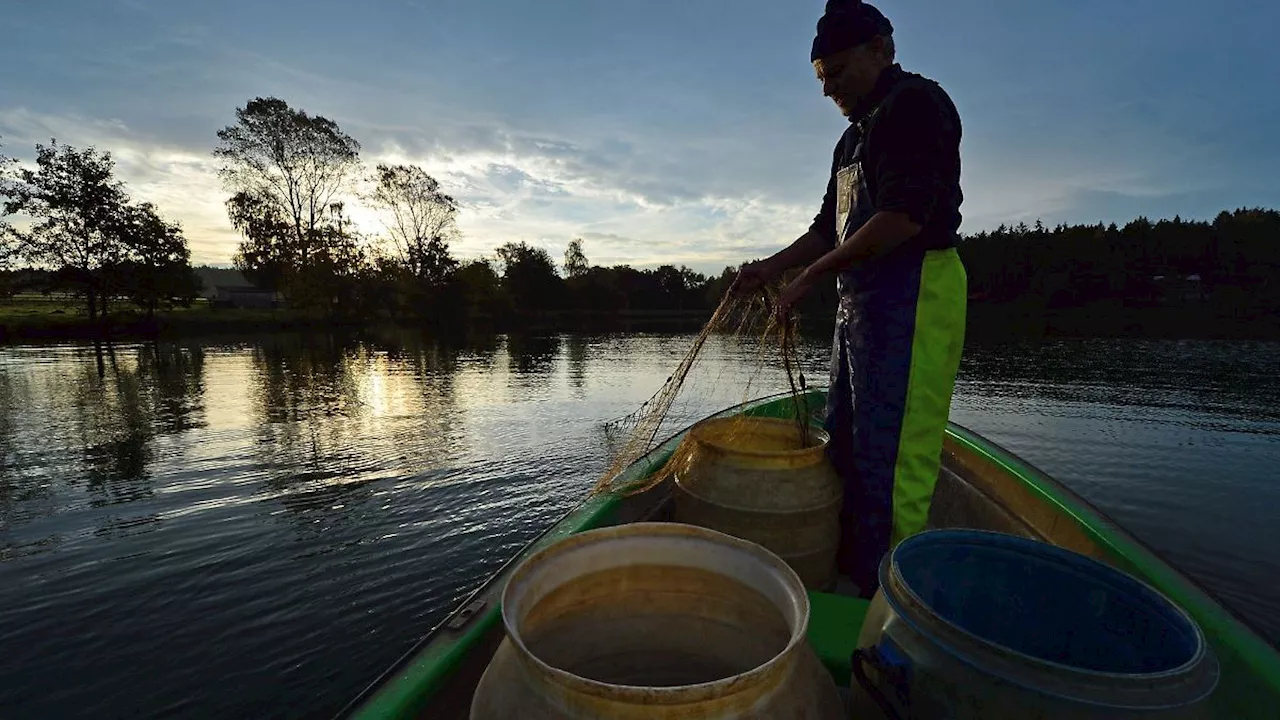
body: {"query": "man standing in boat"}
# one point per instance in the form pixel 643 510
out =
pixel 887 232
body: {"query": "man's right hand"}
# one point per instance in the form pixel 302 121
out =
pixel 753 276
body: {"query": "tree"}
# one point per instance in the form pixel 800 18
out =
pixel 675 288
pixel 158 270
pixel 1243 246
pixel 380 279
pixel 78 205
pixel 1216 275
pixel 529 277
pixel 270 258
pixel 591 289
pixel 287 169
pixel 575 261
pixel 266 256
pixel 331 279
pixel 480 286
pixel 8 241
pixel 596 291
pixel 423 218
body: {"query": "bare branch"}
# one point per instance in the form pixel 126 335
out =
pixel 422 219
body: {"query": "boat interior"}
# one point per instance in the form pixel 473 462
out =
pixel 970 493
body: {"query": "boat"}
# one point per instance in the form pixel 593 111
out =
pixel 980 485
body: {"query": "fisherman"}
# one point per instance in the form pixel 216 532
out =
pixel 887 231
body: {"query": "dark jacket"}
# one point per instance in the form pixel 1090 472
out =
pixel 909 131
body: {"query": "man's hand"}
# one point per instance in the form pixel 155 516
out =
pixel 753 276
pixel 883 232
pixel 793 294
pixel 802 251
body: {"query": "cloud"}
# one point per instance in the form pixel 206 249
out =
pixel 182 182
pixel 511 187
pixel 700 195
pixel 633 203
pixel 635 199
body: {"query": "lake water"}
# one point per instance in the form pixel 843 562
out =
pixel 258 528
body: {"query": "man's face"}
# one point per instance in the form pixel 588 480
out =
pixel 850 75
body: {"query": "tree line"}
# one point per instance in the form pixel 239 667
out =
pixel 1220 272
pixel 292 175
pixel 287 167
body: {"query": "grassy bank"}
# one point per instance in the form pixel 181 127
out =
pixel 41 318
pixel 44 318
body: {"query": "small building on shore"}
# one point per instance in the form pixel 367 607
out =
pixel 245 296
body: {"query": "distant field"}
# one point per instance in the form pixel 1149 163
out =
pixel 34 316
pixel 33 308
pixel 65 308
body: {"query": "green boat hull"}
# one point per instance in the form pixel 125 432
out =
pixel 981 485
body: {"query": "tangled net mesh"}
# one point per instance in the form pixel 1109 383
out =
pixel 740 316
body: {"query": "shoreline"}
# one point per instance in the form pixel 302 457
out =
pixel 985 321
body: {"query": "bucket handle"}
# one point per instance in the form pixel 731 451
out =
pixel 872 657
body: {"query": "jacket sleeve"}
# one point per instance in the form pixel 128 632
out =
pixel 916 145
pixel 824 223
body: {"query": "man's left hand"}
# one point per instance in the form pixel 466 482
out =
pixel 792 294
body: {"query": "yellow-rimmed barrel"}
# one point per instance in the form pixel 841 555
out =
pixel 768 481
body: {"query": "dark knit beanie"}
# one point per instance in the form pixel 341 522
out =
pixel 845 24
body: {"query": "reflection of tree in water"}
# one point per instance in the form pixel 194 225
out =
pixel 176 375
pixel 104 411
pixel 422 354
pixel 532 354
pixel 479 346
pixel 442 351
pixel 114 421
pixel 482 341
pixel 321 400
pixel 577 346
pixel 301 379
pixel 337 414
pixel 119 413
pixel 305 388
pixel 14 488
pixel 438 432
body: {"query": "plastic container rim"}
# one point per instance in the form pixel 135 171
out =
pixel 698 434
pixel 669 694
pixel 888 567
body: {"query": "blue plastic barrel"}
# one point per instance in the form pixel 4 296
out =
pixel 985 624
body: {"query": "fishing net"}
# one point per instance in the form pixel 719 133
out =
pixel 748 319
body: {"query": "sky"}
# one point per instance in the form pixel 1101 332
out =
pixel 665 131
